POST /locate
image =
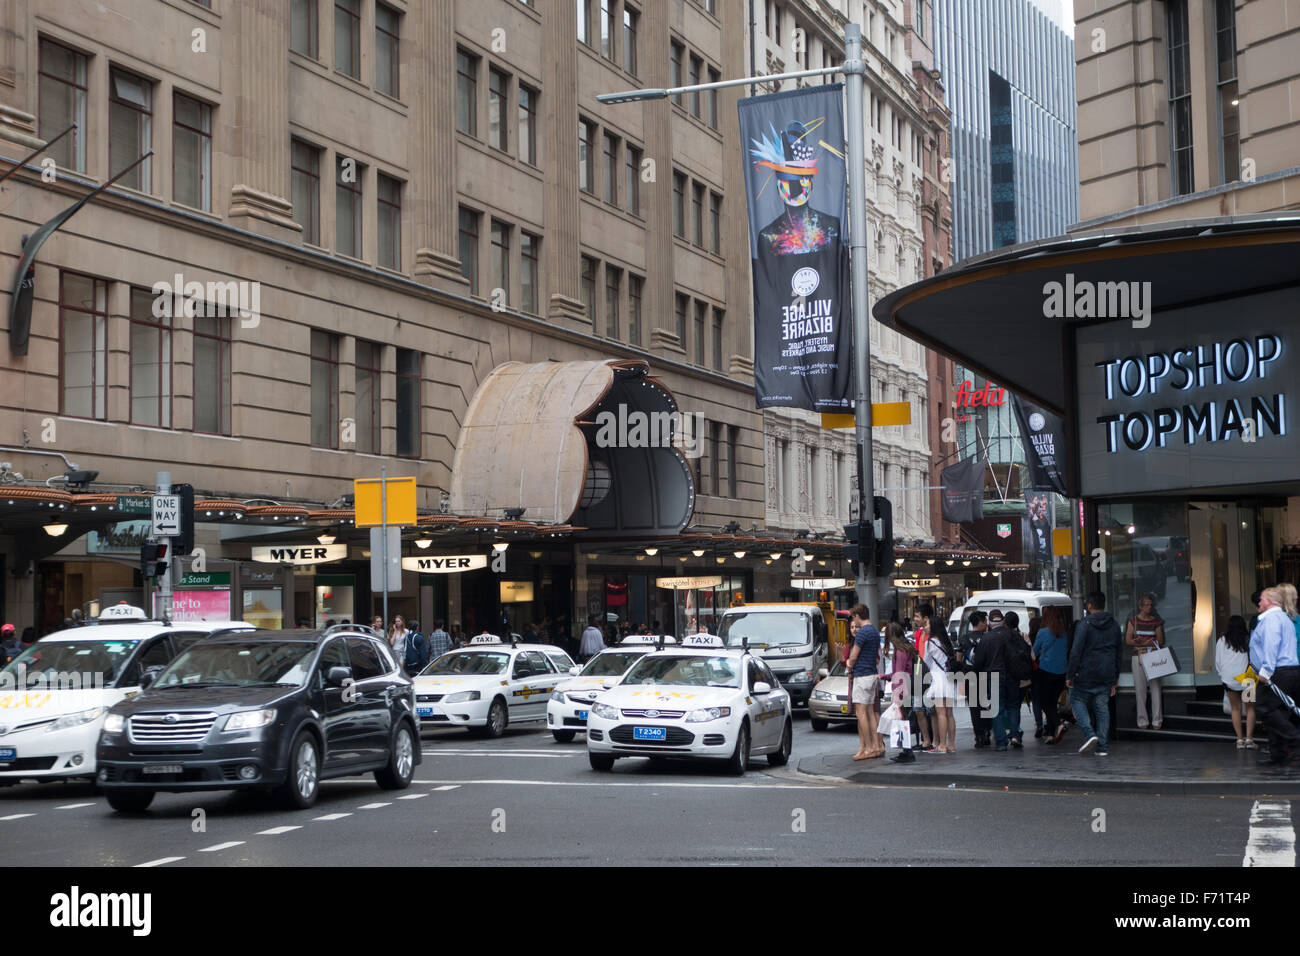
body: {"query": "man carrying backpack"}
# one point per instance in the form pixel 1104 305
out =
pixel 1093 672
pixel 1019 663
pixel 976 632
pixel 417 649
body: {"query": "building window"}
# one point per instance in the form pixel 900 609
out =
pixel 697 212
pixel 718 316
pixel 714 77
pixel 1180 98
pixel 675 54
pixel 715 223
pixel 388 51
pixel 631 21
pixel 608 37
pixel 466 93
pixel 468 227
pixel 589 288
pixel 498 97
pixel 529 288
pixel 635 293
pixel 347 37
pixel 500 261
pixel 304 163
pixel 409 376
pixel 701 316
pixel 679 316
pixel 613 293
pixel 303 28
pixel 211 373
pixel 367 396
pixel 62 103
pixel 130 126
pixel 586 175
pixel 776 22
pixel 633 160
pixel 733 478
pixel 697 68
pixel 1225 34
pixel 192 152
pixel 390 222
pixel 151 361
pixel 679 204
pixel 347 211
pixel 715 456
pixel 83 347
pixel 611 169
pixel 527 125
pixel 584 21
pixel 920 18
pixel 324 389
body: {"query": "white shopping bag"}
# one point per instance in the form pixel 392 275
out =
pixel 1157 664
pixel 901 734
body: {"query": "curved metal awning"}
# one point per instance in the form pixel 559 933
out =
pixel 988 312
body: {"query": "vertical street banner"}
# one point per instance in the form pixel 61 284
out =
pixel 1036 537
pixel 1044 441
pixel 963 490
pixel 795 178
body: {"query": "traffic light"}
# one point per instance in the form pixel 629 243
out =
pixel 153 559
pixel 859 539
pixel 883 546
pixel 185 542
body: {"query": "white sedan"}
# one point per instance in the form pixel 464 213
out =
pixel 566 711
pixel 693 702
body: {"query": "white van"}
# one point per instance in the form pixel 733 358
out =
pixel 1025 603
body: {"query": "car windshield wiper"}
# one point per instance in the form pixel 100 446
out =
pixel 201 683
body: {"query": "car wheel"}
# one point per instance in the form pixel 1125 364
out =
pixel 299 790
pixel 497 719
pixel 401 761
pixel 781 756
pixel 563 736
pixel 817 724
pixel 738 762
pixel 129 801
pixel 600 762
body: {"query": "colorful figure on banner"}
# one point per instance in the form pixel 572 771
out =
pixel 791 156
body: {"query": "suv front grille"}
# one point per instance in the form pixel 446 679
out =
pixel 676 737
pixel 170 728
pixel 657 715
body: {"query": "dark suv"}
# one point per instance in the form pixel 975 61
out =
pixel 270 710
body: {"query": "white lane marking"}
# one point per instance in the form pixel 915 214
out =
pixel 333 816
pixel 373 806
pixel 222 846
pixel 495 753
pixel 276 831
pixel 162 862
pixel 641 783
pixel 450 786
pixel 17 816
pixel 413 796
pixel 1272 835
pixel 74 806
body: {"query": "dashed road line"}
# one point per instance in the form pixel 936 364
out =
pixel 17 816
pixel 333 816
pixel 450 786
pixel 1272 835
pixel 413 796
pixel 160 862
pixel 221 846
pixel 276 831
pixel 373 806
pixel 652 784
pixel 74 806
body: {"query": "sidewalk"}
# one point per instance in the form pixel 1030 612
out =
pixel 1167 767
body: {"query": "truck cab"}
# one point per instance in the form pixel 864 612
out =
pixel 792 639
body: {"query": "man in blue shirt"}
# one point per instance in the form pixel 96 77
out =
pixel 861 665
pixel 1273 655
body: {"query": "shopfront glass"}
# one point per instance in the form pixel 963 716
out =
pixel 264 607
pixel 335 598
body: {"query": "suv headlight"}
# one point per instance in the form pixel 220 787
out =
pixel 557 696
pixel 114 724
pixel 249 720
pixel 707 713
pixel 822 695
pixel 462 696
pixel 77 719
pixel 605 711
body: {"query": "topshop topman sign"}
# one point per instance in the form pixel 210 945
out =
pixel 1202 398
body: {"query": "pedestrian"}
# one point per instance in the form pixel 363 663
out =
pixel 902 658
pixel 978 694
pixel 862 665
pixel 9 646
pixel 1144 633
pixel 1289 597
pixel 29 637
pixel 1273 654
pixel 1231 659
pixel 922 708
pixel 593 642
pixel 1018 660
pixel 1050 646
pixel 377 623
pixel 78 619
pixel 457 635
pixel 438 641
pixel 397 636
pixel 988 662
pixel 1092 673
pixel 939 658
pixel 417 650
pixel 1254 602
pixel 1035 703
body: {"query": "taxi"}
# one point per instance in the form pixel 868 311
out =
pixel 699 700
pixel 55 694
pixel 489 684
pixel 566 711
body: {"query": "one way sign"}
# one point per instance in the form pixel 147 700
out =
pixel 166 516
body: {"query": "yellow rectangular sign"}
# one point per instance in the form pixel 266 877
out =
pixel 839 420
pixel 367 501
pixel 1061 542
pixel 883 414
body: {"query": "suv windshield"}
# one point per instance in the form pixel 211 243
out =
pixel 610 664
pixel 693 671
pixel 74 665
pixel 240 664
pixel 469 662
pixel 766 628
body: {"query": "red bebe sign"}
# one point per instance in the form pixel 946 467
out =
pixel 968 397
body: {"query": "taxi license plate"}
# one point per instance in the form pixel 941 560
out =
pixel 582 715
pixel 161 768
pixel 649 733
pixel 844 708
pixel 8 754
pixel 424 711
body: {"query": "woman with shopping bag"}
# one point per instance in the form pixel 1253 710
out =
pixel 1145 634
pixel 1231 658
pixel 897 732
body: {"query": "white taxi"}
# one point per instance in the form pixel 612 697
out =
pixel 566 711
pixel 489 684
pixel 54 695
pixel 700 700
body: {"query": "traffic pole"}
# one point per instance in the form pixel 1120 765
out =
pixel 383 532
pixel 163 480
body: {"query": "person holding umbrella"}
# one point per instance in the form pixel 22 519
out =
pixel 1273 654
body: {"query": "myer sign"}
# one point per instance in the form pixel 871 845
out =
pixel 913 584
pixel 299 553
pixel 444 563
pixel 1201 399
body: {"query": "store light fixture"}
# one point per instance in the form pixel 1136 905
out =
pixel 899 561
pixel 698 552
pixel 500 545
pixel 721 558
pixel 929 560
pixel 767 560
pixel 774 555
pixel 682 558
pixel 325 538
pixel 984 574
pixel 966 563
pixel 948 562
pixel 54 529
pixel 739 554
pixel 652 551
pixel 640 557
pixel 535 555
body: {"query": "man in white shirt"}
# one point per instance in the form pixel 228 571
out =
pixel 593 642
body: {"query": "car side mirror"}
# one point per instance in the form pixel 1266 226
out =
pixel 608 682
pixel 338 676
pixel 575 670
pixel 823 673
pixel 762 687
pixel 149 676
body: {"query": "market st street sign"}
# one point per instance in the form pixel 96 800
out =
pixel 444 563
pixel 299 553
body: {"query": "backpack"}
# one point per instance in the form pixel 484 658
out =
pixel 416 655
pixel 1017 659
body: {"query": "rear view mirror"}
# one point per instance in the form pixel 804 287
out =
pixel 608 682
pixel 338 676
pixel 149 676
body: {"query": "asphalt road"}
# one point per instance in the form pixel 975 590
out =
pixel 525 799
